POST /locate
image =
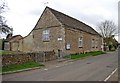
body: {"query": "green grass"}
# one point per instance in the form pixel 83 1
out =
pixel 14 67
pixel 78 56
pixel 111 50
pixel 0 70
pixel 7 52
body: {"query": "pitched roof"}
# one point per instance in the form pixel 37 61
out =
pixel 72 22
pixel 14 38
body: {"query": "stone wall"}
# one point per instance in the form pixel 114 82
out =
pixel 48 21
pixel 27 43
pixel 14 42
pixel 72 36
pixel 8 59
pixel 53 43
pixel 14 46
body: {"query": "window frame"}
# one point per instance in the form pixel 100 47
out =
pixel 46 35
pixel 93 43
pixel 80 42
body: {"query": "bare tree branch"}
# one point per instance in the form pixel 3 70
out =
pixel 107 28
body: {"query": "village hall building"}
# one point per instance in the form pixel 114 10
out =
pixel 59 32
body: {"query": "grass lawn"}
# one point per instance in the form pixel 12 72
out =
pixel 111 50
pixel 0 70
pixel 78 56
pixel 14 67
pixel 6 52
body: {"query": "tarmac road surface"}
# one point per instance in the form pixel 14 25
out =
pixel 94 68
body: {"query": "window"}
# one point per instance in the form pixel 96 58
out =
pixel 68 46
pixel 46 34
pixel 93 43
pixel 80 42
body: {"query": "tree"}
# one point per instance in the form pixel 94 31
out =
pixel 4 28
pixel 108 30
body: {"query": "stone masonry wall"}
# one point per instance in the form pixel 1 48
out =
pixel 8 59
pixel 48 21
pixel 71 37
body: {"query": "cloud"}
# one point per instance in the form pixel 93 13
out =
pixel 24 14
pixel 36 12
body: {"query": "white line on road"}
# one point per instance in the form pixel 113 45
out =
pixel 57 66
pixel 46 69
pixel 110 74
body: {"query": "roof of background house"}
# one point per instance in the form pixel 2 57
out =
pixel 72 22
pixel 14 38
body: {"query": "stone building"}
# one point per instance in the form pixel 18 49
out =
pixel 11 43
pixel 14 42
pixel 60 32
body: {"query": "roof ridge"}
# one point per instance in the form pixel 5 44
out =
pixel 69 16
pixel 63 14
pixel 55 12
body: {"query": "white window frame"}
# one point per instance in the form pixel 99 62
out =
pixel 80 42
pixel 46 35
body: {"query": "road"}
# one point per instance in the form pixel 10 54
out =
pixel 94 68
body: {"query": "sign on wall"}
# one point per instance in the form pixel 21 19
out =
pixel 68 46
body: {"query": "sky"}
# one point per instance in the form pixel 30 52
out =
pixel 22 15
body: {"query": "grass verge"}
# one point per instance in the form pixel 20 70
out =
pixel 7 52
pixel 26 65
pixel 78 56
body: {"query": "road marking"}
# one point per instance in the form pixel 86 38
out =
pixel 110 74
pixel 57 66
pixel 45 69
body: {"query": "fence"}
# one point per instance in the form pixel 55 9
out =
pixel 8 59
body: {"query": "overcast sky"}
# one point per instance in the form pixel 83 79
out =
pixel 24 14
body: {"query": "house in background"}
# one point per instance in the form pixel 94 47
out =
pixel 5 42
pixel 14 42
pixel 11 43
pixel 60 32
